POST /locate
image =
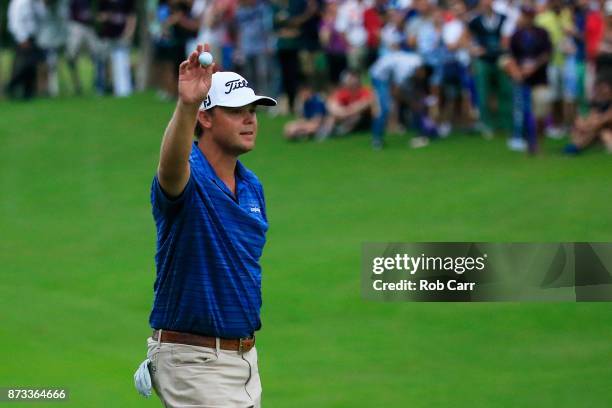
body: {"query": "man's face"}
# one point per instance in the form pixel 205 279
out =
pixel 458 8
pixel 422 6
pixel 527 19
pixel 234 130
pixel 395 17
pixel 351 81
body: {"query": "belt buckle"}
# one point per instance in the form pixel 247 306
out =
pixel 245 343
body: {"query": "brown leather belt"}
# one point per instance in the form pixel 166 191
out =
pixel 241 345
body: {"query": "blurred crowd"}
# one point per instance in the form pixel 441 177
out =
pixel 531 68
pixel 45 30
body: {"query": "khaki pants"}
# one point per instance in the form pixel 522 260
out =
pixel 203 377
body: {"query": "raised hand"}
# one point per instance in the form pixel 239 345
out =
pixel 194 80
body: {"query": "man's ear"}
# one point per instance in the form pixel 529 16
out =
pixel 205 119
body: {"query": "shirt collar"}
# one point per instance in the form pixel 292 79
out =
pixel 241 173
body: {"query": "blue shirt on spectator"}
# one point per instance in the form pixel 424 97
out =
pixel 209 243
pixel 313 107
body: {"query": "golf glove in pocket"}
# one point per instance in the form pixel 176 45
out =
pixel 142 379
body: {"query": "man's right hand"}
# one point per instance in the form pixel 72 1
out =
pixel 193 86
pixel 194 79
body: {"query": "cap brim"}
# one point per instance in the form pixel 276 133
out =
pixel 266 101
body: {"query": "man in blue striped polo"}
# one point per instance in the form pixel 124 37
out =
pixel 211 223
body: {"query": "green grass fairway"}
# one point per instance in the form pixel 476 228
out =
pixel 77 242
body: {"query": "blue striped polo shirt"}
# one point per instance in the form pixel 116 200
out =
pixel 208 247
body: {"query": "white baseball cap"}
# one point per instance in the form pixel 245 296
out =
pixel 231 90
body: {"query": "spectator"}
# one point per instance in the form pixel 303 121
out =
pixel 580 12
pixel 310 45
pixel 214 17
pixel 289 15
pixel 424 34
pixel 393 31
pixel 185 24
pixel 486 29
pixel 82 36
pixel 388 73
pixel 593 33
pixel 604 49
pixel 557 21
pixel 51 39
pixel 530 52
pixel 373 22
pixel 166 52
pixel 350 22
pixel 117 24
pixel 597 125
pixel 349 107
pixel 334 42
pixel 457 78
pixel 182 27
pixel 177 30
pixel 253 52
pixel 23 17
pixel 313 115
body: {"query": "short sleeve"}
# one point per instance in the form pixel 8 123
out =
pixel 161 201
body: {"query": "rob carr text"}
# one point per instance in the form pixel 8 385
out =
pixel 423 285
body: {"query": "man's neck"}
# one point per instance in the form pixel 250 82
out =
pixel 223 164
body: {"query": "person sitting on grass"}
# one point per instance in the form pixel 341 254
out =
pixel 313 114
pixel 349 107
pixel 597 125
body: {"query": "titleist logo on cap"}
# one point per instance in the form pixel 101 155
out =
pixel 236 84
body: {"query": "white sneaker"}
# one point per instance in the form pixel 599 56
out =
pixel 517 145
pixel 444 130
pixel 418 142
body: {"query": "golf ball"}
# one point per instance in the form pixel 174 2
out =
pixel 205 59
